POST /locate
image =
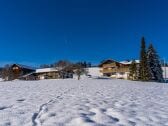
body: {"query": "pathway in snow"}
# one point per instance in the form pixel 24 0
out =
pixel 83 103
pixel 37 118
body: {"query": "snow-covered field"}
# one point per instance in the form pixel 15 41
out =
pixel 88 102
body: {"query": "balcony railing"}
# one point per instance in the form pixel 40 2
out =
pixel 112 70
pixel 109 65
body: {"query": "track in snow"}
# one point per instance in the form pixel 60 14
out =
pixel 88 102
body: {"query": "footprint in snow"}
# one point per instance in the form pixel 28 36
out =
pixel 59 97
pixel 7 124
pixel 101 117
pixel 52 115
pixel 20 100
pixel 4 107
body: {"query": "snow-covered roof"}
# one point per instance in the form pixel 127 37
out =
pixel 129 62
pixel 122 62
pixel 44 70
pixel 107 61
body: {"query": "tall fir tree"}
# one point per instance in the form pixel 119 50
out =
pixel 143 67
pixel 155 69
pixel 133 71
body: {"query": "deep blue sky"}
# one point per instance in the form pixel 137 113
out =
pixel 43 31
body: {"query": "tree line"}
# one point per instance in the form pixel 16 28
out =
pixel 63 63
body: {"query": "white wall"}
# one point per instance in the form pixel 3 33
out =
pixel 123 76
pixel 165 72
pixel 41 77
pixel 94 71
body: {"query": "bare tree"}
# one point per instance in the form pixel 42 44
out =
pixel 7 73
pixel 62 63
pixel 65 67
pixel 79 70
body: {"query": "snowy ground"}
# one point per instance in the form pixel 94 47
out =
pixel 87 102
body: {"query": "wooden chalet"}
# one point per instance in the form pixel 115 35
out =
pixel 114 69
pixel 21 70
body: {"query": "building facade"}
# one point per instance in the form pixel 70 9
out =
pixel 114 69
pixel 19 70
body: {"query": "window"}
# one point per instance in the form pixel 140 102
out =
pixel 15 68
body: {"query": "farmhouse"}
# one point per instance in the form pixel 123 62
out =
pixel 53 73
pixel 47 73
pixel 28 73
pixel 114 69
pixel 21 70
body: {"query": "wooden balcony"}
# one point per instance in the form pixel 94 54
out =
pixel 110 65
pixel 112 70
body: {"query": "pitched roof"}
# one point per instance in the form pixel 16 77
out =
pixel 129 62
pixel 27 75
pixel 26 67
pixel 108 61
pixel 122 62
pixel 45 70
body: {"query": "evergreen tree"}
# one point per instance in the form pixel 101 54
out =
pixel 143 68
pixel 89 64
pixel 154 64
pixel 84 64
pixel 44 66
pixel 133 70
